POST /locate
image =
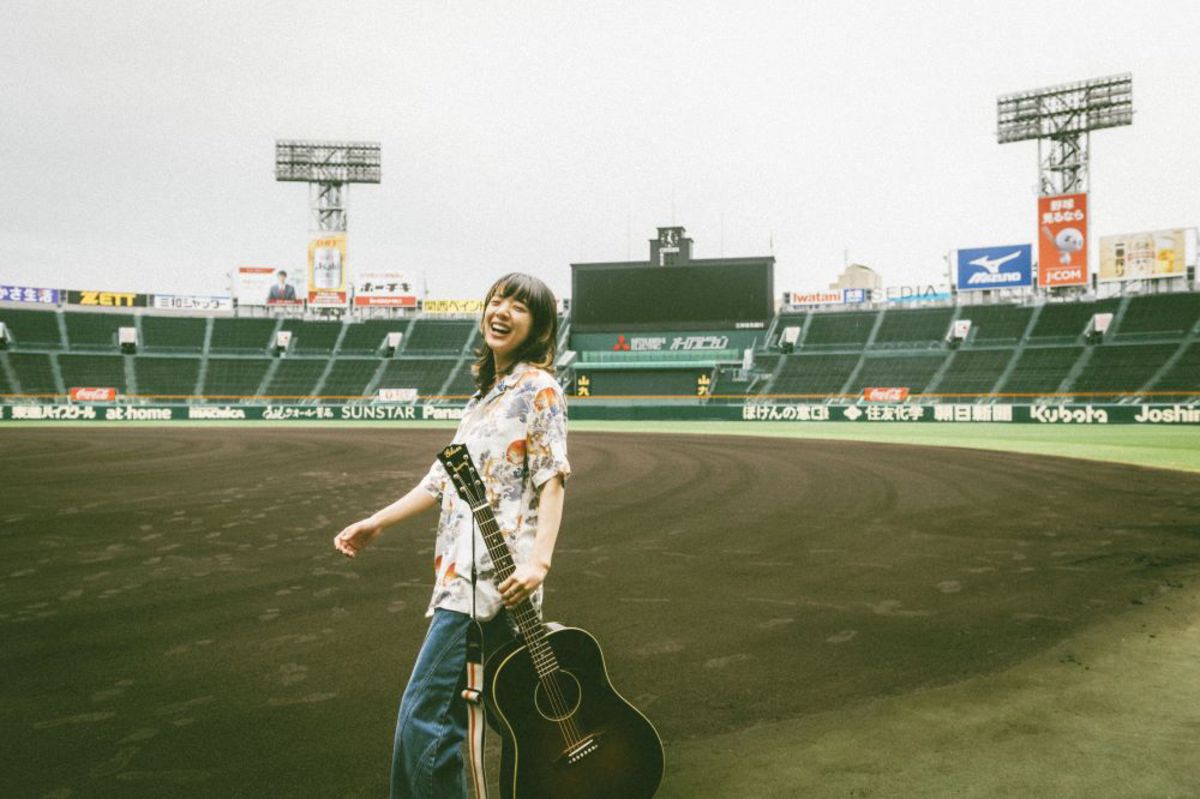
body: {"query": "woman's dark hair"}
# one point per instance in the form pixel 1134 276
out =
pixel 540 347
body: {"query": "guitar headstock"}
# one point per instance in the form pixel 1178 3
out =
pixel 461 469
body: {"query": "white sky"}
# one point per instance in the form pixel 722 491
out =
pixel 137 138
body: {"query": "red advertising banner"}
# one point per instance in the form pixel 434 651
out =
pixel 1062 240
pixel 893 394
pixel 83 394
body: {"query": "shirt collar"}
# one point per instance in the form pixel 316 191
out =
pixel 508 381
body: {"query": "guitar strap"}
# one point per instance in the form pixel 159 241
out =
pixel 474 690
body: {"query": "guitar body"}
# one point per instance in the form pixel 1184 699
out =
pixel 571 736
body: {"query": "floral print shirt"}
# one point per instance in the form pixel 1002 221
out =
pixel 517 437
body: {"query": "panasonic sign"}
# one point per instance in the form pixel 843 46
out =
pixel 995 267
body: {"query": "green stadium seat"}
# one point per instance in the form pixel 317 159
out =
pixel 234 378
pixel 295 378
pixel 35 371
pixel 366 338
pixel 1067 321
pixel 840 329
pixel 173 333
pixel 349 377
pixel 1160 316
pixel 905 371
pixel 916 327
pixel 316 338
pixel 436 335
pixel 1040 370
pixel 426 375
pixel 974 371
pixel 1120 369
pixel 95 331
pixel 32 329
pixel 92 370
pixel 241 335
pixel 173 378
pixel 814 374
pixel 1182 380
pixel 996 324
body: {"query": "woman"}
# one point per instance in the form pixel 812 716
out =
pixel 515 430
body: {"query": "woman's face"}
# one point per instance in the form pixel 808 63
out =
pixel 506 325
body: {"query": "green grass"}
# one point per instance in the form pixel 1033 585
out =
pixel 1165 447
pixel 1157 447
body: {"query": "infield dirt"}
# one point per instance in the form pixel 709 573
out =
pixel 175 621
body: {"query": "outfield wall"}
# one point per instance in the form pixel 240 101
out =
pixel 1070 414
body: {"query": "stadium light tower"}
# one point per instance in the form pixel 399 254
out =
pixel 1062 118
pixel 327 167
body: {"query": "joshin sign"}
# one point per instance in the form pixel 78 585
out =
pixel 1062 240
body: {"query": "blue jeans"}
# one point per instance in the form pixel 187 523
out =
pixel 427 759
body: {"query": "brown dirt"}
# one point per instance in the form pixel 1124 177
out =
pixel 176 623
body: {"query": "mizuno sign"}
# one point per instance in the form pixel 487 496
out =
pixel 995 267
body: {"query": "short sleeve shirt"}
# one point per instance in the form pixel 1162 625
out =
pixel 517 437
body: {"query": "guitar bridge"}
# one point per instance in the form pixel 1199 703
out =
pixel 582 749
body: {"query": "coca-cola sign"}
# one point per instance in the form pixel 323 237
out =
pixel 893 394
pixel 88 394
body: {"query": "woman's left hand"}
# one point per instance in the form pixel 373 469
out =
pixel 521 583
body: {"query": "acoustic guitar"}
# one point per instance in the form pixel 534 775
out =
pixel 565 732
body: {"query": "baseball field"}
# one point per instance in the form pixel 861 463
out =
pixel 950 612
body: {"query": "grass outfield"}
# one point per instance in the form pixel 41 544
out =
pixel 1157 447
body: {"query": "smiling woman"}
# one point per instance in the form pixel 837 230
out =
pixel 515 429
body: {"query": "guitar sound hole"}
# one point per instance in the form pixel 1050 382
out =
pixel 557 696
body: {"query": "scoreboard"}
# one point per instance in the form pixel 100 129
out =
pixel 722 295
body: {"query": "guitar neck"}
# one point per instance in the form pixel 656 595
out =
pixel 532 630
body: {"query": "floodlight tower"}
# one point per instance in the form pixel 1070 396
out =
pixel 327 168
pixel 1062 118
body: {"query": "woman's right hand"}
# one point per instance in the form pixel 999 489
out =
pixel 356 536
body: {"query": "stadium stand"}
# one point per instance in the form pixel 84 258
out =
pixel 173 333
pixel 1041 369
pixel 1183 378
pixel 312 338
pixel 996 324
pixel 436 336
pixel 851 329
pixel 426 375
pixel 228 378
pixel 814 374
pixel 34 371
pixel 32 329
pixel 241 335
pixel 367 338
pixel 295 377
pixel 919 327
pixel 645 382
pixel 103 371
pixel 1122 369
pixel 174 377
pixel 95 331
pixel 1065 322
pixel 1159 316
pixel 913 371
pixel 463 384
pixel 349 377
pixel 974 371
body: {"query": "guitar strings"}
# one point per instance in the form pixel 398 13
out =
pixel 541 654
pixel 539 649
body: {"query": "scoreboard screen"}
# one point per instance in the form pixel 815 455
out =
pixel 671 297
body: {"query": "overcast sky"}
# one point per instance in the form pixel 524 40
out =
pixel 137 138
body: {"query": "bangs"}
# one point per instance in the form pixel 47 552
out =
pixel 519 287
